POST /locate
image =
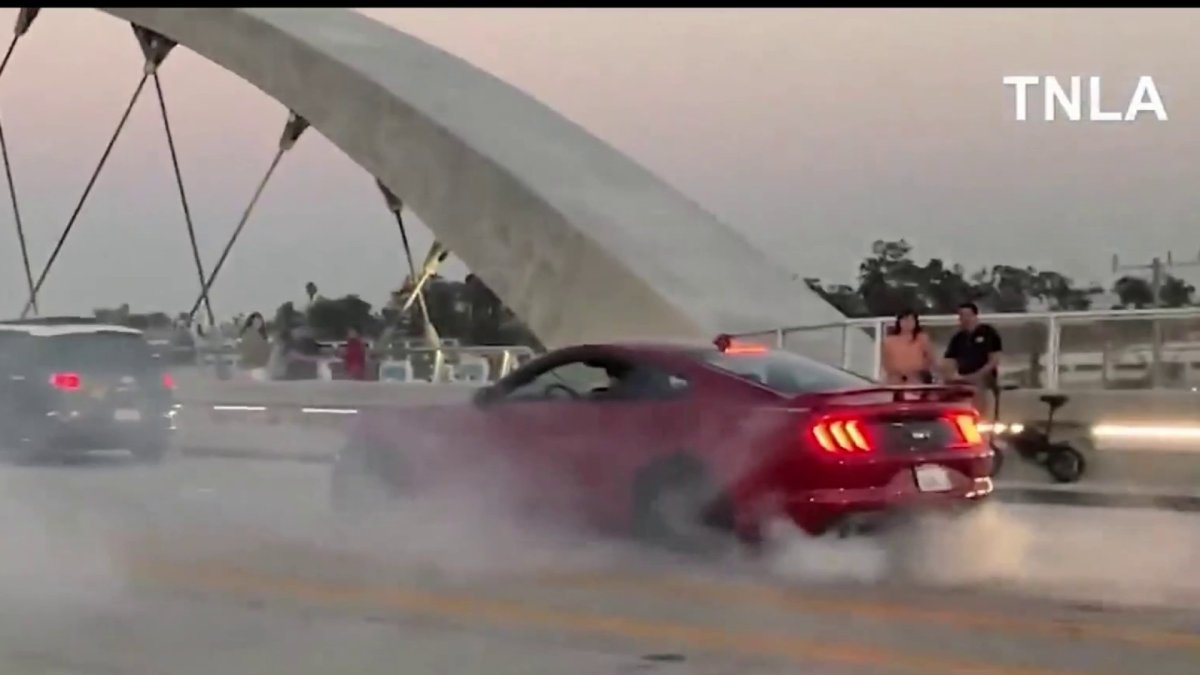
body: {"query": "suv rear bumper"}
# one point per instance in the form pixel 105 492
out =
pixel 64 431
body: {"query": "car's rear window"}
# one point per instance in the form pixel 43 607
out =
pixel 95 352
pixel 785 372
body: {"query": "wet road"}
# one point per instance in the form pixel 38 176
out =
pixel 215 566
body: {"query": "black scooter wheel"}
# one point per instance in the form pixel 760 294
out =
pixel 1065 463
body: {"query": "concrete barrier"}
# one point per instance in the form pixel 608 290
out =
pixel 307 421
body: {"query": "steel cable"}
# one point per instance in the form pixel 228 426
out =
pixel 187 212
pixel 12 186
pixel 37 287
pixel 236 232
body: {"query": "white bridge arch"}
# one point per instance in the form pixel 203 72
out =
pixel 579 240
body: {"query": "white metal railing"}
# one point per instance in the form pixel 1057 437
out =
pixel 445 363
pixel 1116 347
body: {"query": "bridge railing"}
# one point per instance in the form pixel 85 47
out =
pixel 1102 349
pixel 448 363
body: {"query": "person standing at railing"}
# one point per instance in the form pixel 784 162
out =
pixel 254 346
pixel 973 357
pixel 907 352
pixel 354 356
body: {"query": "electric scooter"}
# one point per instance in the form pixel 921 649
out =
pixel 1060 459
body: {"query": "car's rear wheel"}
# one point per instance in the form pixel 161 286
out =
pixel 354 488
pixel 673 508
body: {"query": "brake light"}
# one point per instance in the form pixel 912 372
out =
pixel 838 436
pixel 726 345
pixel 66 381
pixel 967 426
pixel 746 349
pixel 168 382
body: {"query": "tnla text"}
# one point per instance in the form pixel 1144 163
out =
pixel 1069 100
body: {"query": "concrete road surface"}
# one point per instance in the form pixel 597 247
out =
pixel 220 567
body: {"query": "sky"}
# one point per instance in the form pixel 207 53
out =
pixel 813 131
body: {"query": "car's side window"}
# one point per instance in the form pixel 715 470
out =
pixel 645 382
pixel 567 381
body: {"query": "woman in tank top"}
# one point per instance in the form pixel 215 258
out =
pixel 907 352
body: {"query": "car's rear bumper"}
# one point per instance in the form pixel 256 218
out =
pixel 816 511
pixel 66 432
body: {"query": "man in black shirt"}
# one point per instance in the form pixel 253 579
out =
pixel 973 357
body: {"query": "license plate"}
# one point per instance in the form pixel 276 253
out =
pixel 932 478
pixel 127 415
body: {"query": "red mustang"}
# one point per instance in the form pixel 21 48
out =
pixel 679 444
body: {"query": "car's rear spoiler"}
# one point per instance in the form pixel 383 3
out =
pixel 900 393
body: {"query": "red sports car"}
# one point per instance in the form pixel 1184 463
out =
pixel 675 443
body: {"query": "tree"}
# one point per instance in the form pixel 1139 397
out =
pixel 485 311
pixel 1005 288
pixel 1133 292
pixel 889 281
pixel 1060 294
pixel 845 298
pixel 333 319
pixel 1175 292
pixel 310 289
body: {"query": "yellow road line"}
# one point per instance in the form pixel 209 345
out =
pixel 512 614
pixel 749 594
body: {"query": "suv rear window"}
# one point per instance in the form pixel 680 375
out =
pixel 95 352
pixel 13 349
pixel 786 372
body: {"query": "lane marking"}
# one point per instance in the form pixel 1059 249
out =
pixel 750 594
pixel 511 614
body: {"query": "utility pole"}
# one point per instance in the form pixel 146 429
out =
pixel 1158 270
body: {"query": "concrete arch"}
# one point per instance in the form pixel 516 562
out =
pixel 580 241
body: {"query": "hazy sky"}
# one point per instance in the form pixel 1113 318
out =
pixel 813 131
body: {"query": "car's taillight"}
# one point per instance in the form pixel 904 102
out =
pixel 168 382
pixel 66 381
pixel 967 426
pixel 841 436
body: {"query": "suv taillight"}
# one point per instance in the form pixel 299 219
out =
pixel 841 436
pixel 967 427
pixel 168 382
pixel 66 381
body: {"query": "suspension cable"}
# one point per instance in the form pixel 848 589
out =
pixel 183 201
pixel 12 194
pixel 37 287
pixel 397 207
pixel 8 54
pixel 417 293
pixel 262 184
pixel 291 133
pixel 12 187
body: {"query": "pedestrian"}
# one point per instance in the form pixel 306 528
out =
pixel 354 358
pixel 907 351
pixel 254 344
pixel 973 357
